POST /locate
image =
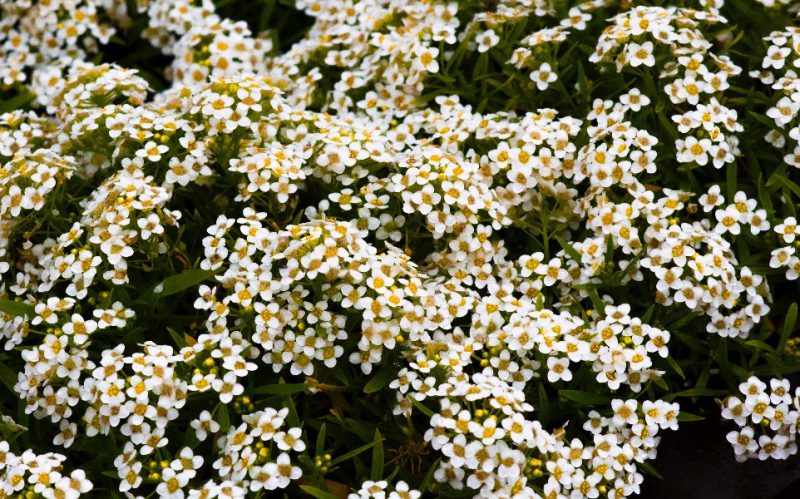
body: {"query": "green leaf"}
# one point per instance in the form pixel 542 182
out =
pixel 293 418
pixel 376 470
pixel 381 379
pixel 675 366
pixel 583 82
pixel 190 437
pixel 428 480
pixel 16 102
pixel 318 493
pixel 783 368
pixel 179 282
pixel 668 126
pixel 422 408
pixel 762 119
pixel 696 392
pixel 788 326
pixel 544 405
pixel 764 196
pixel 176 337
pixel 648 314
pixel 759 345
pixel 684 319
pixel 583 397
pixel 223 418
pixel 786 182
pixel 353 453
pixel 650 470
pixel 7 376
pixel 17 308
pixel 690 341
pixel 282 388
pixel 319 448
pixel 730 180
pixel 110 474
pixel 688 417
pixel 597 303
pixel 568 249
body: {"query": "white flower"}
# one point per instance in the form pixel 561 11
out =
pixel 152 151
pixel 624 412
pixel 486 40
pixel 558 369
pixel 788 229
pixel 641 54
pixel 728 220
pixel 172 484
pixel 693 150
pixel 290 440
pixel 543 76
pixel 426 59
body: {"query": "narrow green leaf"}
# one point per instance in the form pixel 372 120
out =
pixel 7 377
pixel 759 345
pixel 293 418
pixel 568 249
pixel 176 337
pixel 16 102
pixel 597 303
pixel 376 470
pixel 787 183
pixel 788 326
pixel 179 282
pixel 544 405
pixel 675 366
pixel 381 379
pixel 583 397
pixel 319 448
pixel 282 388
pixel 730 180
pixel 353 453
pixel 667 124
pixel 784 368
pixel 684 319
pixel 650 470
pixel 690 341
pixel 17 308
pixel 609 256
pixel 764 120
pixel 696 392
pixel 318 493
pixel 764 196
pixel 422 408
pixel 688 417
pixel 648 314
pixel 428 480
pixel 223 418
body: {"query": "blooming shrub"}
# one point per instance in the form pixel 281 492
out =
pixel 392 248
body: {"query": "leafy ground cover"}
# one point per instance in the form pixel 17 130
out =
pixel 393 248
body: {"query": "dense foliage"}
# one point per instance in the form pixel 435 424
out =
pixel 392 248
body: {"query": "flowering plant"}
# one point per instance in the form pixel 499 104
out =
pixel 392 248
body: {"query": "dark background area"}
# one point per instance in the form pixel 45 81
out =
pixel 697 463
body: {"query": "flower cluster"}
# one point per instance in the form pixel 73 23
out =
pixel 693 72
pixel 55 33
pixel 767 418
pixel 42 474
pixel 475 240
